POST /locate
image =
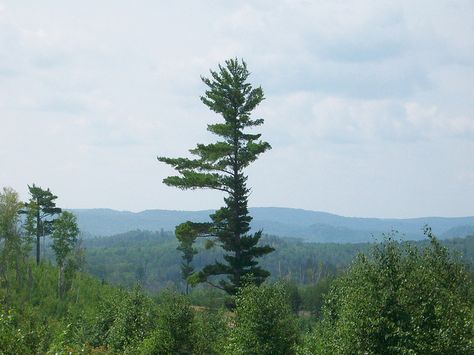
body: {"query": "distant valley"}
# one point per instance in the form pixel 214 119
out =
pixel 284 222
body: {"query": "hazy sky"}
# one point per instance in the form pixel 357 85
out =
pixel 369 104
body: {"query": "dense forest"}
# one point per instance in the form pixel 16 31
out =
pixel 391 297
pixel 150 258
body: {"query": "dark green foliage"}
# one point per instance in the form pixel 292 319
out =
pixel 46 323
pixel 134 319
pixel 208 297
pixel 211 332
pixel 399 301
pixel 186 233
pixel 293 294
pixel 104 317
pixel 69 338
pixel 116 259
pixel 312 295
pixel 220 166
pixel 40 210
pixel 64 238
pixel 12 337
pixel 13 249
pixel 264 323
pixel 174 333
pixel 404 298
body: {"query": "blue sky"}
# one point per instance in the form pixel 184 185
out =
pixel 369 104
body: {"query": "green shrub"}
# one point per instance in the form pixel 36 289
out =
pixel 12 338
pixel 173 333
pixel 133 321
pixel 264 323
pixel 210 332
pixel 400 301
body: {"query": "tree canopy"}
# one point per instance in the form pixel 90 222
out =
pixel 220 166
pixel 400 300
pixel 40 210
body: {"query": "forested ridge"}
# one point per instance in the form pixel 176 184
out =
pixel 151 258
pixel 306 307
pixel 283 222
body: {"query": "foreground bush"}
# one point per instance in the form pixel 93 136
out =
pixel 400 301
pixel 264 323
pixel 12 338
pixel 173 333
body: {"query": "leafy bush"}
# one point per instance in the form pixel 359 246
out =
pixel 12 338
pixel 210 332
pixel 134 319
pixel 402 300
pixel 173 333
pixel 264 323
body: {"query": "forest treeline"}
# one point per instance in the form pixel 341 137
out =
pixel 396 298
pixel 151 257
pixel 390 298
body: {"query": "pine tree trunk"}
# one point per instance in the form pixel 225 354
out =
pixel 3 275
pixel 37 248
pixel 30 283
pixel 60 281
pixel 38 234
pixel 17 271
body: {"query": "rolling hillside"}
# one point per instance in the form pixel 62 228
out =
pixel 287 222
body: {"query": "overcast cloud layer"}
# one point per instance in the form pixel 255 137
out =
pixel 369 104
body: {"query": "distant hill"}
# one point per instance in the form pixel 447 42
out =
pixel 286 222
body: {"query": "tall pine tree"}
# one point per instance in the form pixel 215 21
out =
pixel 220 166
pixel 40 210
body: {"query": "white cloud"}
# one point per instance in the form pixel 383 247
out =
pixel 352 88
pixel 304 118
